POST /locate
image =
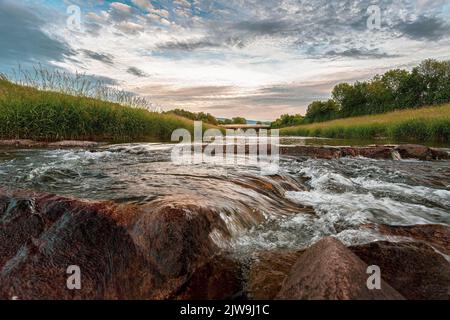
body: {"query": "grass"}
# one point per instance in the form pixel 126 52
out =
pixel 30 113
pixel 419 125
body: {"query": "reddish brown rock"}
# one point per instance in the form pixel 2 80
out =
pixel 23 143
pixel 413 151
pixel 330 271
pixel 375 153
pixel 217 279
pixel 160 251
pixel 174 234
pixel 413 269
pixel 267 272
pixel 311 151
pixel 437 236
pixel 41 236
pixel 440 154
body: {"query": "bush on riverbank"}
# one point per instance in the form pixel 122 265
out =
pixel 425 124
pixel 28 113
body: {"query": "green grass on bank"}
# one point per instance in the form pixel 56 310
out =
pixel 420 125
pixel 28 113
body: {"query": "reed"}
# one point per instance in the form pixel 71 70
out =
pixel 420 125
pixel 35 110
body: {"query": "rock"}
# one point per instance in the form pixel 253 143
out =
pixel 413 269
pixel 330 271
pixel 217 279
pixel 311 151
pixel 159 251
pixel 41 236
pixel 267 272
pixel 20 143
pixel 439 154
pixel 175 234
pixel 24 143
pixel 73 144
pixel 437 236
pixel 376 153
pixel 413 151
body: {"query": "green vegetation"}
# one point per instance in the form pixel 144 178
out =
pixel 425 85
pixel 424 124
pixel 287 120
pixel 30 113
pixel 204 117
pixel 236 120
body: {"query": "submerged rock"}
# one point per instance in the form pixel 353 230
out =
pixel 413 269
pixel 330 271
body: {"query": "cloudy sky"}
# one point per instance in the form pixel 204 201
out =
pixel 253 58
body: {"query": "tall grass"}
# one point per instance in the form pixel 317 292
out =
pixel 76 84
pixel 30 113
pixel 420 125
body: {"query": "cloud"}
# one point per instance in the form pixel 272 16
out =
pixel 360 53
pixel 120 12
pixel 137 72
pixel 22 39
pixel 143 4
pixel 102 57
pixel 425 28
pixel 189 45
pixel 129 27
pixel 265 27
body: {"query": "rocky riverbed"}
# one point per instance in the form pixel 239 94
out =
pixel 140 227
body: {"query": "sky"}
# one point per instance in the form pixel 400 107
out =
pixel 253 58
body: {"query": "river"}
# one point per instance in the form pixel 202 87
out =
pixel 307 200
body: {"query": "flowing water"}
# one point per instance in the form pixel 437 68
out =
pixel 307 200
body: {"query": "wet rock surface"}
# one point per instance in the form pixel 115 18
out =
pixel 418 152
pixel 169 249
pixel 329 271
pixel 22 143
pixel 437 236
pixel 413 269
pixel 123 252
pixel 268 271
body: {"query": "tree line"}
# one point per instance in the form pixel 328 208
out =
pixel 206 117
pixel 426 84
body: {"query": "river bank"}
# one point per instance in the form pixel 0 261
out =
pixel 428 124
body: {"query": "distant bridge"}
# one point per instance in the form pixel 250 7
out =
pixel 256 127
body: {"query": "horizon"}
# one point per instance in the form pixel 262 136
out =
pixel 255 59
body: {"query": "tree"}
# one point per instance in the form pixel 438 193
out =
pixel 396 83
pixel 287 120
pixel 239 120
pixel 205 117
pixel 319 111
